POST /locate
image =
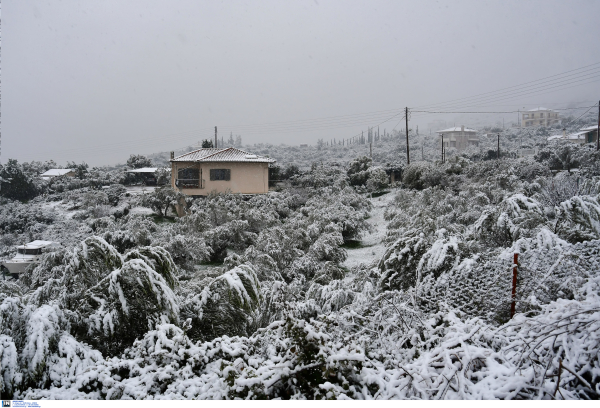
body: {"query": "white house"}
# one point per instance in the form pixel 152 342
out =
pixel 459 137
pixel 539 117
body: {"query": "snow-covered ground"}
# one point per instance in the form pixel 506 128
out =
pixel 372 247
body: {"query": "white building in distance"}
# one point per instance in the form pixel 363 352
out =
pixel 459 137
pixel 539 117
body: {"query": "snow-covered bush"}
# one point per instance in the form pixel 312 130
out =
pixel 378 179
pixel 221 306
pixel 358 171
pixel 15 183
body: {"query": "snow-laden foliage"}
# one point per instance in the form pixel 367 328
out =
pixel 256 297
pixel 125 304
pixel 222 305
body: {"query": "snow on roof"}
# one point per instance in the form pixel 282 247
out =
pixel 56 172
pixel 555 137
pixel 35 244
pixel 230 154
pixel 455 129
pixel 144 170
pixel 576 135
pixel 539 109
pixel 588 128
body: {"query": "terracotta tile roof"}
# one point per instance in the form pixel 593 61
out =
pixel 230 154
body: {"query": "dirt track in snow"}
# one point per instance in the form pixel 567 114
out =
pixel 372 248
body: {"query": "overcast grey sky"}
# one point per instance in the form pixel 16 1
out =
pixel 96 81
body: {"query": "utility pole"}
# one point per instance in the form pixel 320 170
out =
pixel 371 149
pixel 498 157
pixel 215 137
pixel 442 148
pixel 407 150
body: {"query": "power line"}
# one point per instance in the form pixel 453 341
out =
pixel 579 117
pixel 536 92
pixel 511 87
pixel 524 93
pixel 515 111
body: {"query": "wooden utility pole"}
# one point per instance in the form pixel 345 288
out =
pixel 442 147
pixel 498 157
pixel 407 149
pixel 215 137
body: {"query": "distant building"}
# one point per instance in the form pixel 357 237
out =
pixel 539 117
pixel 147 174
pixel 459 137
pixel 588 134
pixel 50 174
pixel 527 152
pixel 303 145
pixel 204 171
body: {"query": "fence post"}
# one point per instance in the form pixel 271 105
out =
pixel 514 286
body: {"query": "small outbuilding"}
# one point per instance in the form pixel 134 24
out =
pixel 51 173
pixel 203 171
pixel 148 175
pixel 588 134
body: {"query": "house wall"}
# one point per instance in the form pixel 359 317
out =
pixel 246 178
pixel 539 118
pixel 460 140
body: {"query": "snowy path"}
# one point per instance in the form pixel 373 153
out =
pixel 372 248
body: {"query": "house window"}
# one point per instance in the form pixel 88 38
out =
pixel 220 174
pixel 541 115
pixel 526 116
pixel 188 178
